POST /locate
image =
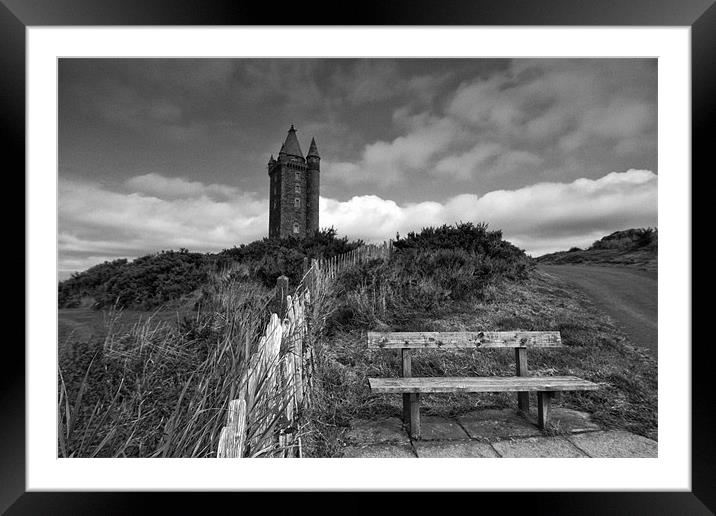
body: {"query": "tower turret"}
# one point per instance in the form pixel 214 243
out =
pixel 313 183
pixel 313 150
pixel 291 146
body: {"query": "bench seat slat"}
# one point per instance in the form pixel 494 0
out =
pixel 480 384
pixel 465 339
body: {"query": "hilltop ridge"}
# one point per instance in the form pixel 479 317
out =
pixel 635 247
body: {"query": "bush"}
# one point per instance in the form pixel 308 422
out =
pixel 153 280
pixel 270 258
pixel 144 283
pixel 627 239
pixel 427 271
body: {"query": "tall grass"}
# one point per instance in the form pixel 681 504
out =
pixel 160 389
pixel 419 281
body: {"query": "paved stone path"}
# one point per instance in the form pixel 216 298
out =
pixel 495 433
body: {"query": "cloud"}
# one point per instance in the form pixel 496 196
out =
pixel 164 214
pixel 387 163
pixel 369 81
pixel 176 188
pixel 539 218
pixel 98 224
pixel 526 120
pixel 485 159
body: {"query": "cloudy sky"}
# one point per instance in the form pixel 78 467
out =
pixel 167 153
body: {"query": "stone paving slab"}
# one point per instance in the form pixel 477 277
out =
pixel 615 444
pixel 497 425
pixel 435 427
pixel 508 434
pixel 383 430
pixel 454 449
pixel 494 414
pixel 542 447
pixel 380 451
pixel 565 420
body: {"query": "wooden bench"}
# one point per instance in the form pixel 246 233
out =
pixel 411 387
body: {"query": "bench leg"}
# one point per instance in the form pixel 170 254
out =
pixel 544 402
pixel 406 372
pixel 415 416
pixel 406 410
pixel 523 398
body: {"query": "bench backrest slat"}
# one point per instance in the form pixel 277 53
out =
pixel 465 339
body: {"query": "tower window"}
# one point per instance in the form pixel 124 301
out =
pixel 298 188
pixel 296 229
pixel 297 202
pixel 298 175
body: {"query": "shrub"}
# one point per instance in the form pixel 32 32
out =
pixel 270 258
pixel 627 239
pixel 427 271
pixel 153 280
pixel 145 283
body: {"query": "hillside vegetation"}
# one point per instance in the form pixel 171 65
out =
pixel 159 387
pixel 466 278
pixel 631 247
pixel 178 276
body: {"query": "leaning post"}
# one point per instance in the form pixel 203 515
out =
pixel 281 293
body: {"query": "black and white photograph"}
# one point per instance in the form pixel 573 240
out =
pixel 357 258
pixel 418 248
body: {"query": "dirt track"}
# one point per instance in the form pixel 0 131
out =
pixel 629 296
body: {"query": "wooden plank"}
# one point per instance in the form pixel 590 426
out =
pixel 407 369
pixel 544 403
pixel 480 384
pixel 465 339
pixel 523 398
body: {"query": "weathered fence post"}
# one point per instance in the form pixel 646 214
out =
pixel 233 435
pixel 281 293
pixel 313 283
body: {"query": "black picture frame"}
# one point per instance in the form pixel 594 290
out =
pixel 17 15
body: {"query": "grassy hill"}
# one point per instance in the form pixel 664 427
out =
pixel 631 247
pixel 176 277
pixel 158 386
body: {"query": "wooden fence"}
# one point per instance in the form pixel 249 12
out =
pixel 265 418
pixel 262 420
pixel 331 267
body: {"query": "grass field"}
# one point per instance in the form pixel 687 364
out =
pixel 86 324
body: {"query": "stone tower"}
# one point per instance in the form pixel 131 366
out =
pixel 294 189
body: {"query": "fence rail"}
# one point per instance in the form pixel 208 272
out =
pixel 265 417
